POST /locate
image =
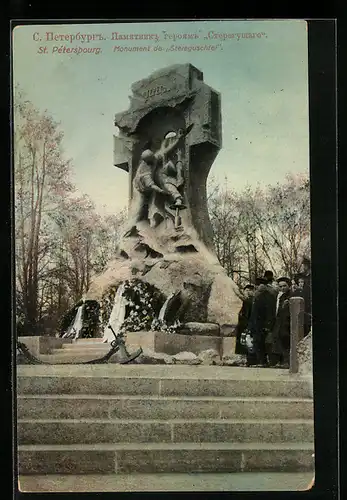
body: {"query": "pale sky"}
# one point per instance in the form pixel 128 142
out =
pixel 263 83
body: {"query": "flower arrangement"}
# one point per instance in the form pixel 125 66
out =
pixel 159 325
pixel 106 306
pixel 90 318
pixel 144 302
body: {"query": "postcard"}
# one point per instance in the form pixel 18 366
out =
pixel 163 256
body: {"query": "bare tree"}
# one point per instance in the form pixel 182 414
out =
pixel 287 222
pixel 41 172
pixel 259 229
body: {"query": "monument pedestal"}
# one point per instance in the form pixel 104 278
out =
pixel 173 343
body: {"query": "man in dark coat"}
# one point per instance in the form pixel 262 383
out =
pixel 298 285
pixel 244 316
pixel 278 341
pixel 270 280
pixel 262 317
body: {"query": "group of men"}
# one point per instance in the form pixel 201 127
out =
pixel 263 330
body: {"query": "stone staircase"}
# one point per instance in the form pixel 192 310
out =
pixel 107 419
pixel 67 351
pixel 72 351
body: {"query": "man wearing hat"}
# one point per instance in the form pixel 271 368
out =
pixel 278 340
pixel 243 318
pixel 298 284
pixel 262 317
pixel 270 281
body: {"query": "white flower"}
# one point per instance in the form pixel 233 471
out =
pixel 144 311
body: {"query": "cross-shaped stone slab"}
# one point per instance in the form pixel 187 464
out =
pixel 170 99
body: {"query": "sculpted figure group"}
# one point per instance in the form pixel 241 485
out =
pixel 159 181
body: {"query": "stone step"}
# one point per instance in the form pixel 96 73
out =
pixel 67 352
pixel 78 350
pixel 168 407
pixel 92 340
pixel 88 341
pixel 165 457
pixel 180 482
pixel 72 358
pixel 83 347
pixel 43 345
pixel 163 371
pixel 145 385
pixel 94 431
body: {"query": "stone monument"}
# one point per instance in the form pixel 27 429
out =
pixel 167 141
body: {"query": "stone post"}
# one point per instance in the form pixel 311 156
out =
pixel 297 308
